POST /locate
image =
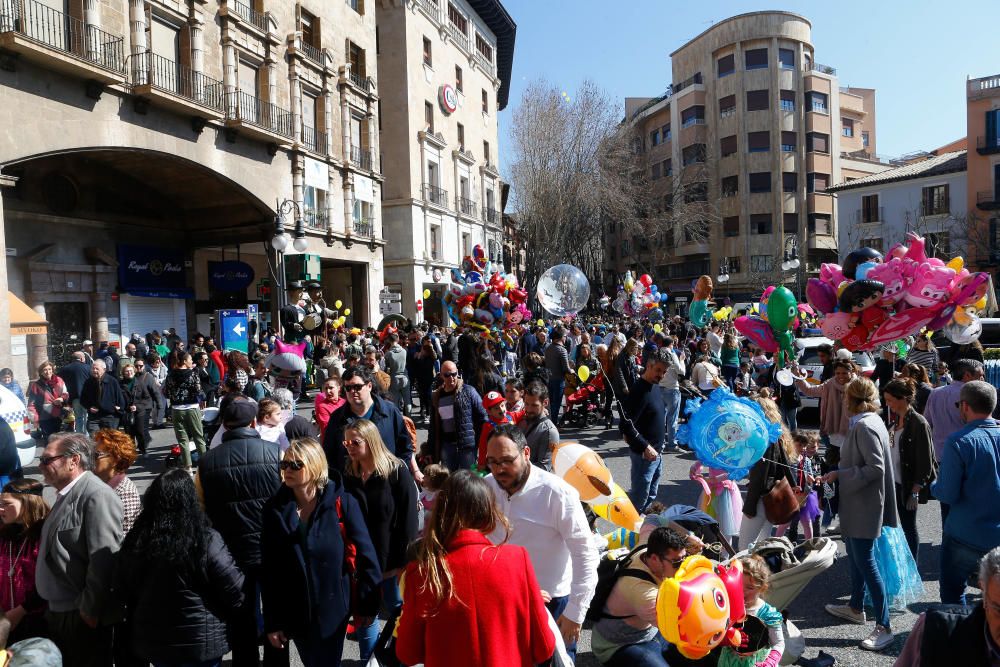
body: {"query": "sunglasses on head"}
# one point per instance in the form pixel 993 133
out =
pixel 291 465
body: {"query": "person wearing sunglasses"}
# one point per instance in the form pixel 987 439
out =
pixel 383 486
pixel 362 402
pixel 626 633
pixel 457 416
pixel 308 582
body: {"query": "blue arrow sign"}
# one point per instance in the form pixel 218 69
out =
pixel 233 329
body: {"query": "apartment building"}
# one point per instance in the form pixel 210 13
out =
pixel 926 197
pixel 147 151
pixel 444 68
pixel 748 136
pixel 983 195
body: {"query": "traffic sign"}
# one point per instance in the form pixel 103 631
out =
pixel 386 295
pixel 390 308
pixel 233 329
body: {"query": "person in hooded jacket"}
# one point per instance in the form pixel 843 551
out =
pixel 307 582
pixel 177 579
pixel 183 388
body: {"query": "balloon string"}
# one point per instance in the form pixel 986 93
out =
pixel 779 463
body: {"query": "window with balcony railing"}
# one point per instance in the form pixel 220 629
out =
pixel 256 18
pixel 693 116
pixel 63 32
pixel 484 49
pixel 314 140
pixel 693 154
pixel 816 102
pixel 435 195
pixel 787 98
pixel 361 157
pixel 248 108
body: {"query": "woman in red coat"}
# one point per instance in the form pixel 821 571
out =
pixel 466 601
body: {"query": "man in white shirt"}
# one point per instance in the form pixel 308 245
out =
pixel 546 518
pixel 670 390
pixel 714 339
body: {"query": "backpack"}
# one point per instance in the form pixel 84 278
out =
pixel 609 571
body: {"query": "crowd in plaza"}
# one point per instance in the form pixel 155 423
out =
pixel 467 548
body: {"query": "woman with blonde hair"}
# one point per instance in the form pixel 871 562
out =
pixel 453 614
pixel 867 503
pixel 22 515
pixel 764 474
pixel 383 486
pixel 306 585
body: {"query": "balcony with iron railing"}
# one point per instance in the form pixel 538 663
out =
pixel 359 80
pixel 435 195
pixel 361 157
pixel 690 81
pixel 250 15
pixel 314 140
pixel 27 23
pixel 936 206
pixel 491 215
pixel 824 69
pixel 250 112
pixel 315 218
pixel 313 53
pixel 987 200
pixel 151 73
pixel 364 227
pixel 988 145
pixel 870 215
pixel 467 207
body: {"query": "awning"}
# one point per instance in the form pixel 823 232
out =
pixel 24 320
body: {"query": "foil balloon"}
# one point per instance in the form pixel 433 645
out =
pixel 693 609
pixel 757 331
pixel 619 510
pixel 622 538
pixel 699 312
pixel 563 290
pixel 728 433
pixel 858 257
pixel 783 310
pixel 584 470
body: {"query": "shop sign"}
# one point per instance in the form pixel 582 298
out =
pixel 152 271
pixel 316 174
pixel 230 276
pixel 448 99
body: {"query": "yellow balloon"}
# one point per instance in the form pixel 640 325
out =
pixel 347 311
pixel 957 264
pixel 583 372
pixel 338 303
pixel 427 294
pixel 540 322
pixel 657 328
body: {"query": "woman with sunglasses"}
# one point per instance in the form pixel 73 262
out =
pixel 22 515
pixel 384 486
pixel 454 614
pixel 307 578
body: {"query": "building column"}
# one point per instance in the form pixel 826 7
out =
pixel 137 34
pixel 345 119
pixel 195 23
pixel 295 89
pixel 272 79
pixel 38 344
pixel 229 75
pixel 373 140
pixel 99 313
pixel 5 357
pixel 348 203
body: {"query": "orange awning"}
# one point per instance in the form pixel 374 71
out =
pixel 24 320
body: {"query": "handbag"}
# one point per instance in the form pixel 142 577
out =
pixel 780 503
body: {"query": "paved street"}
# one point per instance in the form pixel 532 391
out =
pixel 821 631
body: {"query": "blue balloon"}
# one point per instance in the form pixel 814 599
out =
pixel 727 432
pixel 653 289
pixel 655 315
pixel 664 297
pixel 862 271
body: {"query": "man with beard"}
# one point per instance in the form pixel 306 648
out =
pixel 546 518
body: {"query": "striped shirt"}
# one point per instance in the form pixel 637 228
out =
pixel 926 358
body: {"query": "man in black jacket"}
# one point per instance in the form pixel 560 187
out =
pixel 75 374
pixel 644 426
pixel 237 478
pixel 103 398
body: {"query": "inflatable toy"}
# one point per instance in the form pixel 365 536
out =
pixel 581 467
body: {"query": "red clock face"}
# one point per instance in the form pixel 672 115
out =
pixel 448 99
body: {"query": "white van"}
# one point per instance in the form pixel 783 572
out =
pixel 13 411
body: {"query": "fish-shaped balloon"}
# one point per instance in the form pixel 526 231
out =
pixel 693 609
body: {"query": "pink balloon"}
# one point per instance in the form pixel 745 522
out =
pixel 931 286
pixel 822 296
pixel 757 331
pixel 901 325
pixel 836 325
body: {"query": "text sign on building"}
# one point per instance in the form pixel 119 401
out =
pixel 386 295
pixel 390 308
pixel 231 276
pixel 234 329
pixel 153 271
pixel 448 99
pixel 364 189
pixel 316 174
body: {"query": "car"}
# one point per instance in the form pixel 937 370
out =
pixel 808 360
pixel 13 411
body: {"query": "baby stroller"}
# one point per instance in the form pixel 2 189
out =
pixel 688 391
pixel 584 406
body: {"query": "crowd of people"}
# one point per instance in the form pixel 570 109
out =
pixel 466 548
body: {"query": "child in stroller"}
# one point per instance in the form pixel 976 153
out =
pixel 584 406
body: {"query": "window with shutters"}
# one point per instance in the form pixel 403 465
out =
pixel 727 145
pixel 165 60
pixel 789 181
pixel 428 53
pixel 461 136
pixel 730 186
pixel 790 221
pixel 820 224
pixel 693 154
pixel 484 48
pixel 730 228
pixel 757 100
pixel 429 117
pixel 934 200
pixel 846 127
pixel 816 102
pixel 786 58
pixel 870 209
pixel 760 223
pixel 309 25
pixel 356 58
pixel 693 116
pixel 817 182
pixel 756 58
pixel 727 106
pixel 458 19
pixel 787 100
pixel 759 142
pixel 726 65
pixel 817 142
pixel 938 244
pixel 760 181
pixel 789 141
pixel 874 243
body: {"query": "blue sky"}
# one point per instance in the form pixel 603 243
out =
pixel 917 54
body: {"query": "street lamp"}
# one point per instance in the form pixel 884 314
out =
pixel 724 270
pixel 281 238
pixel 791 254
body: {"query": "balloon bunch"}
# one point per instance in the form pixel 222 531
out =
pixel 640 298
pixel 486 299
pixel 870 301
pixel 722 313
pixel 771 330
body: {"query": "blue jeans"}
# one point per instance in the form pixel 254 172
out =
pixel 391 604
pixel 864 572
pixel 457 458
pixel 672 403
pixel 556 390
pixel 645 480
pixel 791 417
pixel 730 374
pixel 81 414
pixel 556 607
pixel 645 654
pixel 958 561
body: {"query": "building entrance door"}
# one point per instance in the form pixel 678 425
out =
pixel 67 330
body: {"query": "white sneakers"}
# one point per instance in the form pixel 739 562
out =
pixel 879 639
